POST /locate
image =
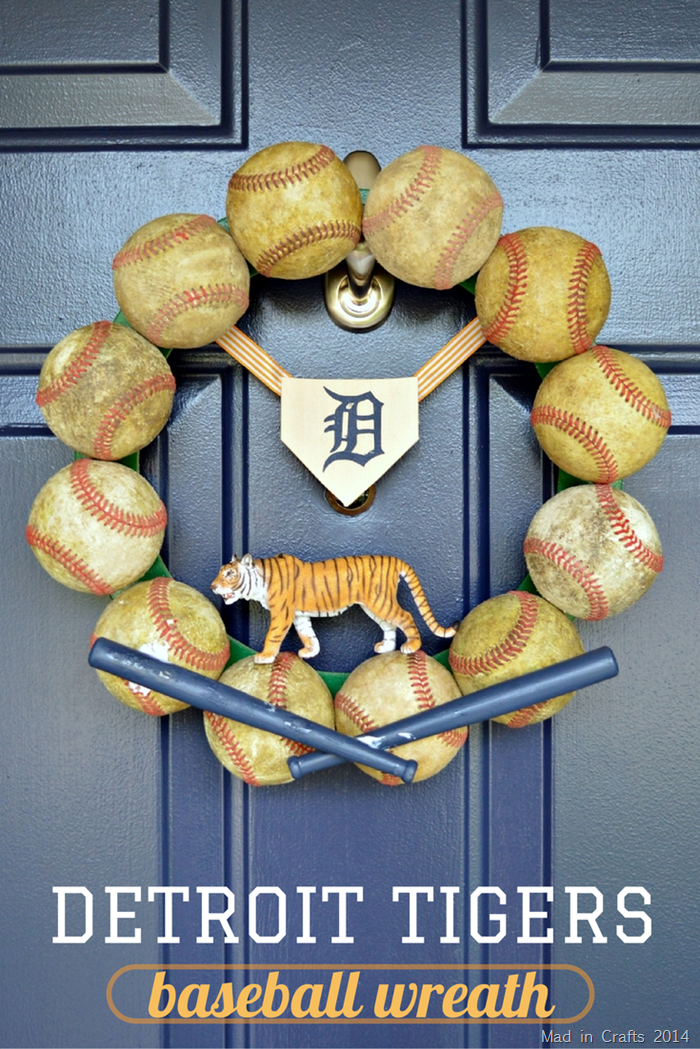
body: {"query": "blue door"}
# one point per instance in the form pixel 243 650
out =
pixel 587 118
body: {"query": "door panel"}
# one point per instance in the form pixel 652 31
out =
pixel 96 795
pixel 551 72
pixel 88 76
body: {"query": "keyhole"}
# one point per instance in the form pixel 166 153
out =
pixel 359 506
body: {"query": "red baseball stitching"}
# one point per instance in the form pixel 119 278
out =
pixel 424 179
pixel 354 712
pixel 333 230
pixel 454 738
pixel 120 410
pixel 624 531
pixel 515 288
pixel 149 704
pixel 577 314
pixel 659 416
pixel 169 239
pixel 578 571
pixel 419 681
pixel 228 741
pixel 212 295
pixel 97 505
pixel 296 748
pixel 584 433
pixel 279 676
pixel 389 780
pixel 277 695
pixel 509 648
pixel 523 717
pixel 76 367
pixel 68 560
pixel 166 625
pixel 282 179
pixel 458 239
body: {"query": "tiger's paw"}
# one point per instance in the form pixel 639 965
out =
pixel 387 645
pixel 260 657
pixel 308 652
pixel 410 646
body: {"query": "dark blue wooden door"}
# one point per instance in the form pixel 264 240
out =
pixel 587 118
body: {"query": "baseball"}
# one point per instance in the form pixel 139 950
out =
pixel 392 686
pixel 105 391
pixel 601 415
pixel 432 217
pixel 170 621
pixel 255 756
pixel 511 635
pixel 592 550
pixel 181 281
pixel 96 526
pixel 294 210
pixel 543 294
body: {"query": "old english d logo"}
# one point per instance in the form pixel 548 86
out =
pixel 348 432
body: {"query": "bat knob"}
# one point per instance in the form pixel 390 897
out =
pixel 410 771
pixel 298 771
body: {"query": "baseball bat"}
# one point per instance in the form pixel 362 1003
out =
pixel 199 691
pixel 536 687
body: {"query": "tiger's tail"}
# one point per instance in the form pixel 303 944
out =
pixel 422 605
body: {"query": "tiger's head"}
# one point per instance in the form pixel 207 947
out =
pixel 238 579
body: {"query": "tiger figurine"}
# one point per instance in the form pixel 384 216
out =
pixel 293 591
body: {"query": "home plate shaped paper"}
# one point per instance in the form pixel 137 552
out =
pixel 348 432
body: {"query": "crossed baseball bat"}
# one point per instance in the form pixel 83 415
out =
pixel 331 747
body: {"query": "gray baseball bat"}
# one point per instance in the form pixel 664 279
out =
pixel 536 687
pixel 199 691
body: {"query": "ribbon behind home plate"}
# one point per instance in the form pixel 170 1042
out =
pixel 348 432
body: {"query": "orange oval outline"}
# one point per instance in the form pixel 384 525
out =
pixel 325 966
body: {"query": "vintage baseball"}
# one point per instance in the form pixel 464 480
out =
pixel 601 415
pixel 96 526
pixel 543 294
pixel 181 281
pixel 105 391
pixel 510 635
pixel 170 621
pixel 255 756
pixel 294 210
pixel 392 686
pixel 432 217
pixel 592 550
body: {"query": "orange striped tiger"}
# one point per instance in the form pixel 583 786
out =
pixel 293 590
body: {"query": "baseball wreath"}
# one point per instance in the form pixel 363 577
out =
pixel 432 218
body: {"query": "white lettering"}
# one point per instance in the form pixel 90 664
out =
pixel 267 890
pixel 500 919
pixel 412 892
pixel 635 890
pixel 306 891
pixel 343 892
pixel 115 914
pixel 450 891
pixel 575 916
pixel 526 892
pixel 75 890
pixel 221 916
pixel 168 892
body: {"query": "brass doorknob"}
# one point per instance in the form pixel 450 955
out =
pixel 359 294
